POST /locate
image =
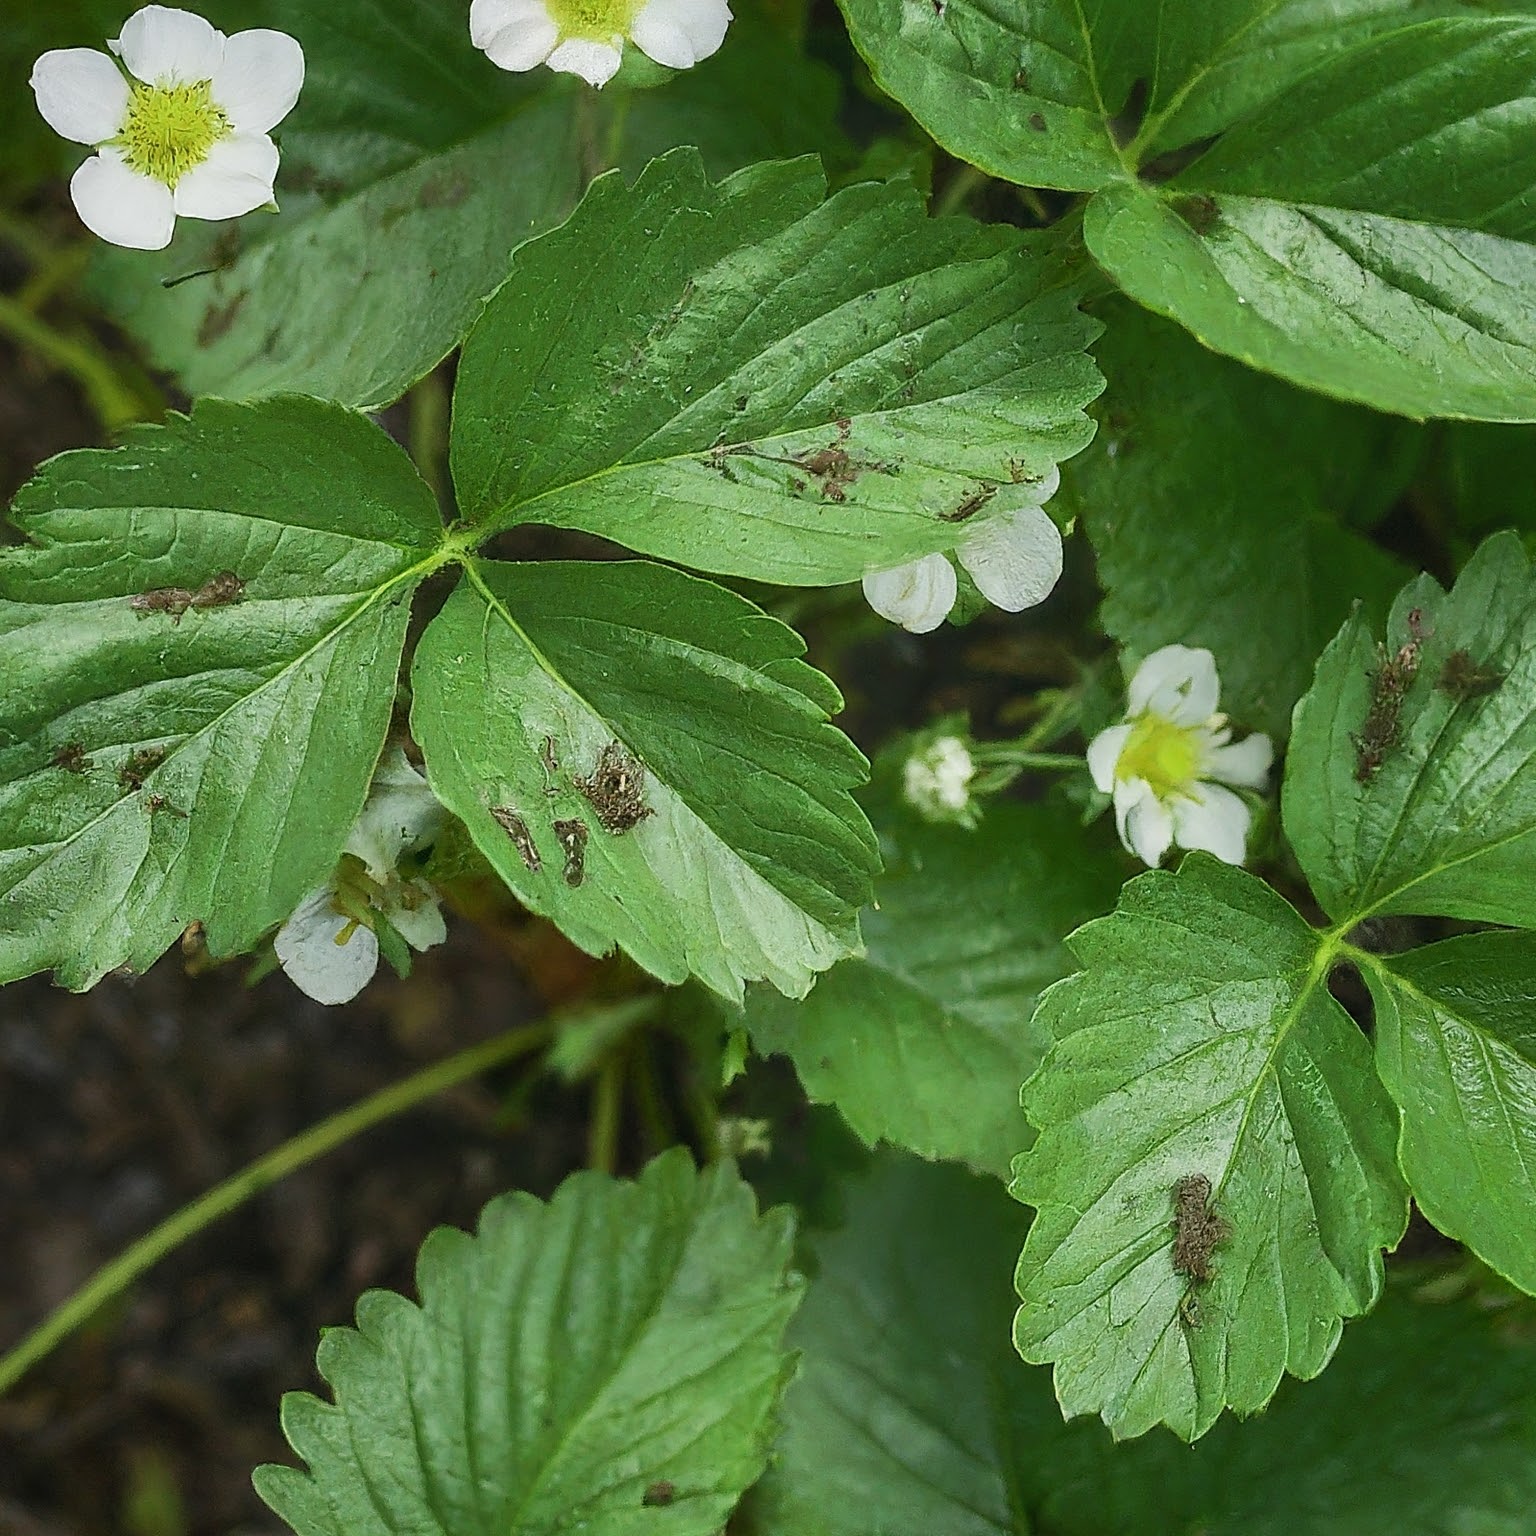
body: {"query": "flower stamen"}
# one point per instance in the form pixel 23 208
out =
pixel 1165 755
pixel 170 129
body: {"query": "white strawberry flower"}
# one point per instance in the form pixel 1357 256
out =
pixel 329 946
pixel 185 132
pixel 1166 765
pixel 1014 558
pixel 587 37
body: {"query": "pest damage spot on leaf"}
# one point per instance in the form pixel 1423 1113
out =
pixel 160 803
pixel 139 767
pixel 522 839
pixel 573 839
pixel 550 763
pixel 971 505
pixel 71 757
pixel 1198 1230
pixel 217 592
pixel 659 1494
pixel 1021 79
pixel 1037 122
pixel 616 790
pixel 1390 682
pixel 1463 678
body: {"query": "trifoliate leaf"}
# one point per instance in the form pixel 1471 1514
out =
pixel 1456 1043
pixel 198 655
pixel 910 1413
pixel 1057 95
pixel 924 1041
pixel 606 1363
pixel 411 169
pixel 745 378
pixel 1348 199
pixel 1207 481
pixel 1214 1176
pixel 1410 785
pixel 645 759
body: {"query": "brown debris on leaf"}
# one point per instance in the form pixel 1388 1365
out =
pixel 616 790
pixel 71 758
pixel 522 839
pixel 1198 1231
pixel 139 767
pixel 572 833
pixel 217 592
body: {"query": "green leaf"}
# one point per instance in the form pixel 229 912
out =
pixel 1211 496
pixel 564 1365
pixel 158 770
pixel 412 167
pixel 744 378
pixel 1403 316
pixel 751 859
pixel 925 1040
pixel 1199 1040
pixel 1042 93
pixel 1456 1045
pixel 1361 224
pixel 910 1413
pixel 1409 786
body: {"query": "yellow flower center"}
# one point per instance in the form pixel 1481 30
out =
pixel 598 20
pixel 1166 755
pixel 170 129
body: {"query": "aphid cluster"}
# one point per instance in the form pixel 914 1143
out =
pixel 139 766
pixel 1394 675
pixel 217 592
pixel 616 790
pixel 659 1495
pixel 1198 1230
pixel 971 505
pixel 71 758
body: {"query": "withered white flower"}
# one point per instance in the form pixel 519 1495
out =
pixel 587 37
pixel 329 947
pixel 1166 765
pixel 936 781
pixel 185 132
pixel 1014 558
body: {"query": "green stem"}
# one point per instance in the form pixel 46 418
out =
pixel 962 184
pixel 112 1280
pixel 993 755
pixel 607 1105
pixel 112 401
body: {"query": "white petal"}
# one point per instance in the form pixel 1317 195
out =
pixel 1178 683
pixel 1214 819
pixel 162 46
pixel 236 177
pixel 678 33
pixel 259 79
pixel 1145 827
pixel 1015 560
pixel 917 595
pixel 1104 753
pixel 488 17
pixel 121 206
pixel 316 964
pixel 422 925
pixel 523 44
pixel 596 63
pixel 81 94
pixel 1246 762
pixel 402 813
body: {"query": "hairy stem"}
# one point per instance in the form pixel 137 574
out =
pixel 115 1278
